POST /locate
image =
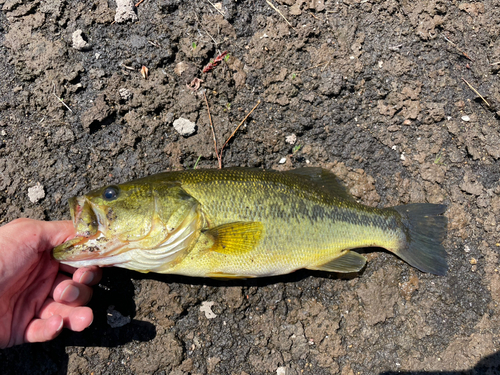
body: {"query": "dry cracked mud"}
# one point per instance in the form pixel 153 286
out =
pixel 375 90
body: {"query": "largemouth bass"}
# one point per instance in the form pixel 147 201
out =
pixel 239 223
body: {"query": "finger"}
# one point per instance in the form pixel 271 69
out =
pixel 74 318
pixel 59 279
pixel 67 269
pixel 88 275
pixel 41 330
pixel 54 233
pixel 71 293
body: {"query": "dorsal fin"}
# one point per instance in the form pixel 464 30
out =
pixel 325 180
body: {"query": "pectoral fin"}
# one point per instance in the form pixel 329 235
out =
pixel 349 262
pixel 235 238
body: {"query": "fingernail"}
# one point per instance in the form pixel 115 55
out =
pixel 70 293
pixel 86 278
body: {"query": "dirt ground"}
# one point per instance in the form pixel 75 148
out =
pixel 374 90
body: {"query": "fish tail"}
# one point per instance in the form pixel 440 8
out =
pixel 425 229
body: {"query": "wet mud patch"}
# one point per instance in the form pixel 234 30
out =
pixel 371 90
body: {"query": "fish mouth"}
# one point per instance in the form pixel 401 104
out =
pixel 84 217
pixel 90 241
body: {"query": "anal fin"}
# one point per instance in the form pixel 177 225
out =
pixel 346 263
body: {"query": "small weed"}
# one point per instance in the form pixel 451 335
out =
pixel 193 45
pixel 228 106
pixel 296 149
pixel 294 75
pixel 197 161
pixel 438 159
pixel 226 58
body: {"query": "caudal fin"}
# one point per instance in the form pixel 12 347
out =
pixel 425 229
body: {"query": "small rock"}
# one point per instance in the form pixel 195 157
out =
pixel 184 127
pixel 36 193
pixel 466 118
pixel 125 11
pixel 291 139
pixel 206 307
pixel 125 94
pixel 79 43
pixel 115 318
pixel 282 161
pixel 180 68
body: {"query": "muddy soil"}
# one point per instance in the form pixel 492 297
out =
pixel 374 90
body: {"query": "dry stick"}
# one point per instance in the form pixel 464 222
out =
pixel 213 132
pixel 241 123
pixel 313 67
pixel 495 63
pixel 139 3
pixel 457 47
pixel 218 10
pixel 58 98
pixel 219 154
pixel 477 93
pixel 281 14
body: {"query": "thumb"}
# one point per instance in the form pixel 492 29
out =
pixel 37 235
pixel 53 233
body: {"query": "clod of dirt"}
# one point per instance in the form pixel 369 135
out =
pixel 184 127
pixel 116 319
pixel 79 43
pixel 125 11
pixel 36 193
pixel 125 94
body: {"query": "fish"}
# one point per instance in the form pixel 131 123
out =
pixel 245 223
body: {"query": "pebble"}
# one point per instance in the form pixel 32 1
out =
pixel 291 139
pixel 466 118
pixel 125 94
pixel 36 193
pixel 206 307
pixel 125 11
pixel 184 127
pixel 282 161
pixel 79 43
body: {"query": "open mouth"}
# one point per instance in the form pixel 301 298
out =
pixel 84 217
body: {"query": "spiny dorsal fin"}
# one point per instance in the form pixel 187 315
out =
pixel 349 262
pixel 325 180
pixel 236 238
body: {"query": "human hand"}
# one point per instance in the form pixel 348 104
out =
pixel 37 298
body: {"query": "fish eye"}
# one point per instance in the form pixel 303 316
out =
pixel 110 194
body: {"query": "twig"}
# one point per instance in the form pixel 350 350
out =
pixel 58 98
pixel 458 48
pixel 477 93
pixel 241 123
pixel 219 154
pixel 213 132
pixel 312 14
pixel 139 3
pixel 495 63
pixel 203 27
pixel 156 44
pixel 281 14
pixel 313 67
pixel 128 67
pixel 218 10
